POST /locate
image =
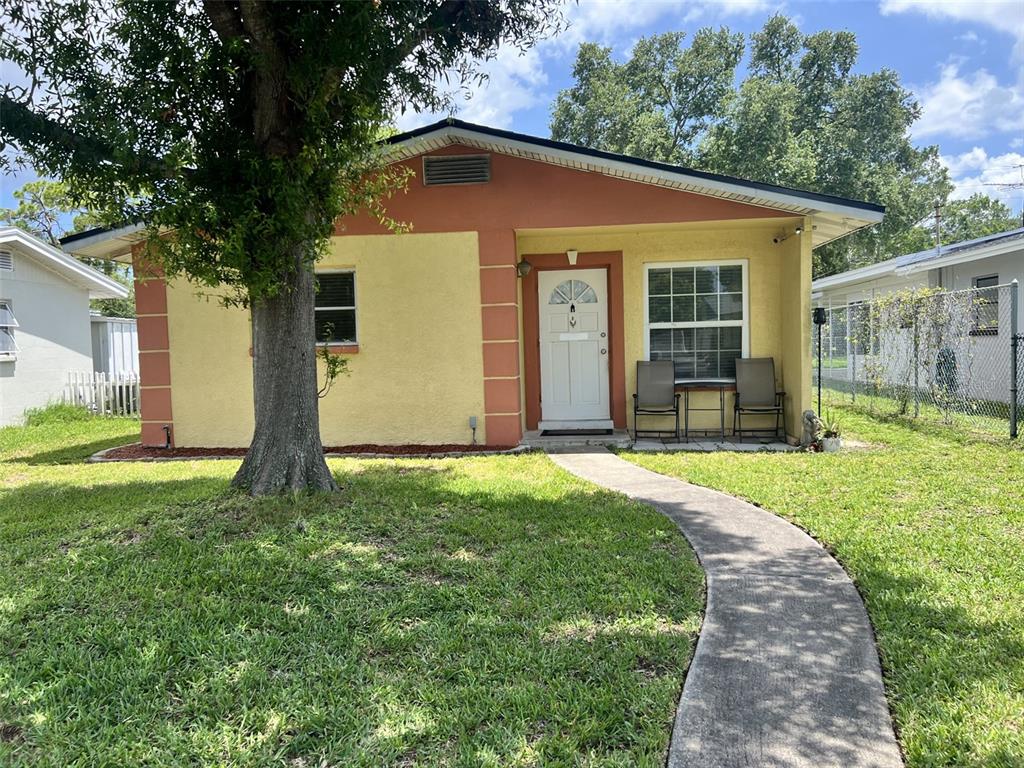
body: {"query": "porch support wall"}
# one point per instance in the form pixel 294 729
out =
pixel 796 328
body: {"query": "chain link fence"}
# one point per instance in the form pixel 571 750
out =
pixel 946 356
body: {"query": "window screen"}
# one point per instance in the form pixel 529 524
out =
pixel 335 312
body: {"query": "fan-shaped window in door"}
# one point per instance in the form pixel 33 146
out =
pixel 573 291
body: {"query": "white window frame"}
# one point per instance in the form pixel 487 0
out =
pixel 744 323
pixel 354 307
pixel 9 327
pixel 975 329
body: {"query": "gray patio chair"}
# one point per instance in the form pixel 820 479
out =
pixel 757 395
pixel 655 394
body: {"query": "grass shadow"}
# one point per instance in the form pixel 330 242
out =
pixel 404 620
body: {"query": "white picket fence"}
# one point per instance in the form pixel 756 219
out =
pixel 111 394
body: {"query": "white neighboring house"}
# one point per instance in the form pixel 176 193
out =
pixel 44 321
pixel 983 263
pixel 991 260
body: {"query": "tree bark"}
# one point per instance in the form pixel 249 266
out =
pixel 286 452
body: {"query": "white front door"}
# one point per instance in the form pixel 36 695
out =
pixel 573 345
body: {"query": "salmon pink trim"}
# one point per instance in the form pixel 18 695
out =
pixel 501 359
pixel 156 404
pixel 497 247
pixel 498 285
pixel 501 323
pixel 504 429
pixel 154 351
pixel 153 335
pixel 151 296
pixel 501 396
pixel 155 368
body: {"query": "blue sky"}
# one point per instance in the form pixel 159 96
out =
pixel 963 60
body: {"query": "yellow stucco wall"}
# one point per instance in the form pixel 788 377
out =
pixel 211 370
pixel 418 375
pixel 777 322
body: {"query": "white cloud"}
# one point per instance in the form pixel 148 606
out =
pixel 515 82
pixel 1002 15
pixel 518 82
pixel 999 176
pixel 969 106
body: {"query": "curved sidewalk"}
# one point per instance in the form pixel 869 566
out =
pixel 785 672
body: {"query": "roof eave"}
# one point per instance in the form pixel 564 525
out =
pixel 890 267
pixel 96 283
pixel 111 244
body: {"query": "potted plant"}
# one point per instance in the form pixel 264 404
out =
pixel 831 434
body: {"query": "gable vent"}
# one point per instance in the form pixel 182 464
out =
pixel 456 169
pixel 6 261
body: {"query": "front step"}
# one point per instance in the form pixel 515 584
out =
pixel 619 438
pixel 581 426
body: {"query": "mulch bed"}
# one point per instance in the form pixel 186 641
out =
pixel 136 452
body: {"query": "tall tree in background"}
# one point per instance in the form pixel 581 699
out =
pixel 959 220
pixel 800 118
pixel 658 104
pixel 46 210
pixel 246 129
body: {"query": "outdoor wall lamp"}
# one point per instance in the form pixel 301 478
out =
pixel 523 268
pixel 782 238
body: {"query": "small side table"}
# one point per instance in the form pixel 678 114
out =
pixel 688 386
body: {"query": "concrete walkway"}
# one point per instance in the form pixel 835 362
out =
pixel 785 672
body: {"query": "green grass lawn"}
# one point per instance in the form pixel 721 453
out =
pixel 930 525
pixel 489 611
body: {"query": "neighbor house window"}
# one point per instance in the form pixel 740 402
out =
pixel 696 316
pixel 986 306
pixel 335 313
pixel 8 349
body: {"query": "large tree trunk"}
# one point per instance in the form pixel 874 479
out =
pixel 286 452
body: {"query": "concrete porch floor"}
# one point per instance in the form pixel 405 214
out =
pixel 622 439
pixel 710 444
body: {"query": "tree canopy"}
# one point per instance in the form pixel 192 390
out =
pixel 239 125
pixel 238 132
pixel 801 117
